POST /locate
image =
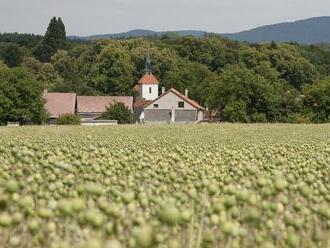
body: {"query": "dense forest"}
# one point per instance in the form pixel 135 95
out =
pixel 237 82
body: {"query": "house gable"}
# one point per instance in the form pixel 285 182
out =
pixel 169 100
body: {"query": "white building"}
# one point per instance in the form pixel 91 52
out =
pixel 147 87
pixel 168 107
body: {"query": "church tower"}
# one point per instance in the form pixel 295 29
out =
pixel 147 87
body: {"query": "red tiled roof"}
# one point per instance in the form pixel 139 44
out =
pixel 140 103
pixel 183 97
pixel 60 103
pixel 148 78
pixel 98 104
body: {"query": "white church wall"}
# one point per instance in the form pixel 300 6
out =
pixel 149 91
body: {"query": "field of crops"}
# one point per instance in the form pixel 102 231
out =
pixel 165 186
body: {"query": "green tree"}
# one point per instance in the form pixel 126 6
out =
pixel 113 71
pixel 317 100
pixel 235 111
pixel 43 72
pixel 20 97
pixel 12 55
pixel 55 38
pixel 238 83
pixel 66 67
pixel 87 72
pixel 293 67
pixel 191 76
pixel 118 111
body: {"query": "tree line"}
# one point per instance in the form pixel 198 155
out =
pixel 236 81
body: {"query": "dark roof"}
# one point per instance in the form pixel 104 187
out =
pixel 98 104
pixel 60 103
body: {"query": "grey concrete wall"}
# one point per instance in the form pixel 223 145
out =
pixel 159 115
pixel 185 115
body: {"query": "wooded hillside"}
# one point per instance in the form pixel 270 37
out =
pixel 242 82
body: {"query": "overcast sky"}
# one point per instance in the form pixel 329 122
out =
pixel 84 17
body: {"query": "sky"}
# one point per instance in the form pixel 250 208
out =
pixel 87 17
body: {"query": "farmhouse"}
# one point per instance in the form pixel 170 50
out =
pixel 169 107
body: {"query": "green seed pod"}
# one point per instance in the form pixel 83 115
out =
pixel 65 208
pixel 113 244
pixel 230 229
pixel 293 241
pixel 77 204
pixel 173 244
pixel 33 226
pixel 144 237
pixel 169 214
pixel 109 228
pixel 214 219
pixel 17 218
pixel 5 220
pixel 14 241
pixel 234 212
pixel 12 186
pixel 93 243
pixel 324 211
pixel 51 227
pixel 280 184
pixel 128 197
pixel 262 181
pixel 94 218
pixel 45 213
pixel 186 215
pixel 229 202
pixel 213 189
pixel 252 216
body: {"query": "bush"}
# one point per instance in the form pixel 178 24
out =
pixel 68 119
pixel 298 118
pixel 119 112
pixel 235 111
pixel 258 118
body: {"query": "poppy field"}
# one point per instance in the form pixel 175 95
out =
pixel 228 185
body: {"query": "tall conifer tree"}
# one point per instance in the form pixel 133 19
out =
pixel 55 38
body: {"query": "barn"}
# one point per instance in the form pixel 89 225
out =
pixel 58 104
pixel 92 107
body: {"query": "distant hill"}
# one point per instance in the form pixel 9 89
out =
pixel 309 31
pixel 140 33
